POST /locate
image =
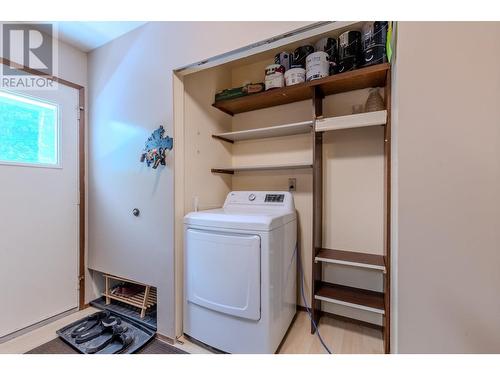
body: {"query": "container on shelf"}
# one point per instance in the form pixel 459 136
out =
pixel 274 76
pixel 373 40
pixel 357 108
pixel 374 101
pixel 283 58
pixel 317 65
pixel 238 92
pixel 350 56
pixel 299 56
pixel 330 46
pixel 294 76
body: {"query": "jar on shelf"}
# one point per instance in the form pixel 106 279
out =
pixel 374 101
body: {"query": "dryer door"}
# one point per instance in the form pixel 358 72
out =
pixel 223 272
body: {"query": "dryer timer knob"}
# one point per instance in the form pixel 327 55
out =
pixel 251 197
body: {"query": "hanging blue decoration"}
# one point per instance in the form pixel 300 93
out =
pixel 155 149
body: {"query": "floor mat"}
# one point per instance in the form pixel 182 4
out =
pixel 58 346
pixel 128 311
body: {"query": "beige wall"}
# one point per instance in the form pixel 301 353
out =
pixel 131 94
pixel 202 152
pixel 448 177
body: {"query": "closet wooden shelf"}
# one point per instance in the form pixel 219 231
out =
pixel 358 120
pixel 371 76
pixel 352 297
pixel 351 258
pixel 233 170
pixel 268 132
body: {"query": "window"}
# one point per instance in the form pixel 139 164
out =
pixel 29 131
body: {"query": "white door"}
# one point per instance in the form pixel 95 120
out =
pixel 39 205
pixel 223 272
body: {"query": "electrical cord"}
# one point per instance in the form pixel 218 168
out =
pixel 308 309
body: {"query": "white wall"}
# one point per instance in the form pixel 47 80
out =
pixel 130 95
pixel 448 143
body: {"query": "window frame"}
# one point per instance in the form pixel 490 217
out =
pixel 58 147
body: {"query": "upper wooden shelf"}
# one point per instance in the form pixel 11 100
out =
pixel 371 76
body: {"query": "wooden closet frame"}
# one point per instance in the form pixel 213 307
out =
pixel 81 168
pixel 317 225
pixel 314 91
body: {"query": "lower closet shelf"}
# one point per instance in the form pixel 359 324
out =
pixel 362 299
pixel 350 258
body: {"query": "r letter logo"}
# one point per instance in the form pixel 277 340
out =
pixel 31 46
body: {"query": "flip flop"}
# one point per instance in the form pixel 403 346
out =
pixel 115 331
pixel 105 326
pixel 90 322
pixel 118 344
pixel 110 321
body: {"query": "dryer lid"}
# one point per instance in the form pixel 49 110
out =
pixel 238 219
pixel 249 210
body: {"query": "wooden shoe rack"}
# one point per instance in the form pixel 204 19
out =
pixel 142 300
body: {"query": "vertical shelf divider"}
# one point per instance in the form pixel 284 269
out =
pixel 317 229
pixel 387 209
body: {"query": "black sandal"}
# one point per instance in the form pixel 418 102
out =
pixel 90 322
pixel 114 344
pixel 105 326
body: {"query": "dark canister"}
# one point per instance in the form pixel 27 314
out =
pixel 373 39
pixel 283 58
pixel 350 56
pixel 299 56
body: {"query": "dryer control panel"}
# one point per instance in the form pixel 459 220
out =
pixel 278 199
pixel 275 198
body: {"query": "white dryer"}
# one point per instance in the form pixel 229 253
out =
pixel 240 272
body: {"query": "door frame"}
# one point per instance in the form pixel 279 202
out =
pixel 81 166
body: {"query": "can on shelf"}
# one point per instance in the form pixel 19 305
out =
pixel 274 76
pixel 299 56
pixel 294 76
pixel 350 56
pixel 373 39
pixel 283 58
pixel 317 65
pixel 329 45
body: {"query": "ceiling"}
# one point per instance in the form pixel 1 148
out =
pixel 87 36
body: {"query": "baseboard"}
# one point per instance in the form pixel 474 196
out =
pixel 346 319
pixel 203 345
pixel 165 339
pixel 34 326
pixel 84 306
